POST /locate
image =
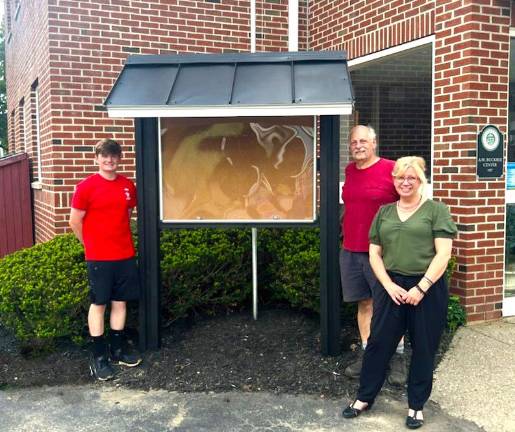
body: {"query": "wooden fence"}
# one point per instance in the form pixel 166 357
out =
pixel 16 231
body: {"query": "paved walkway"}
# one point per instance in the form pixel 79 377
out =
pixel 476 378
pixel 474 391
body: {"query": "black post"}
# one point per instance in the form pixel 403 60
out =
pixel 330 293
pixel 147 180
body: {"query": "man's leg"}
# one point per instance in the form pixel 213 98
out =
pixel 364 318
pixel 98 363
pixel 96 320
pixel 118 349
pixel 100 291
pixel 118 315
pixel 356 288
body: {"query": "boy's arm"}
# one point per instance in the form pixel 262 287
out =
pixel 75 221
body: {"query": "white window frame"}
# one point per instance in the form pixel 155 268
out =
pixel 508 303
pixel 397 49
pixel 37 184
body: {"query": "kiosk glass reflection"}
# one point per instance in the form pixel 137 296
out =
pixel 238 169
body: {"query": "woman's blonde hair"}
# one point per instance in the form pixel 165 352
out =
pixel 419 166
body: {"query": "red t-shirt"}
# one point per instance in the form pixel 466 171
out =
pixel 364 191
pixel 106 225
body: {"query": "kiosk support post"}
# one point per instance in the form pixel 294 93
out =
pixel 148 232
pixel 330 293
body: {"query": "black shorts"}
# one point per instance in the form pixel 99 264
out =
pixel 113 281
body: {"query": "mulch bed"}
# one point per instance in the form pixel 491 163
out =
pixel 279 353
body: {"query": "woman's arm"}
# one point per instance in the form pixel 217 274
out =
pixel 396 292
pixel 435 271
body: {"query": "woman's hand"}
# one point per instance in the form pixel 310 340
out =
pixel 396 292
pixel 413 297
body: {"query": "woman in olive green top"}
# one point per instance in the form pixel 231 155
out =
pixel 410 246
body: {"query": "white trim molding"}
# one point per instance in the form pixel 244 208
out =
pixel 508 306
pixel 389 51
pixel 293 25
pixel 229 111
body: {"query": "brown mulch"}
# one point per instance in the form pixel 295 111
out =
pixel 279 353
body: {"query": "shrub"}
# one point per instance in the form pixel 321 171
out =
pixel 456 315
pixel 44 291
pixel 293 266
pixel 451 266
pixel 204 269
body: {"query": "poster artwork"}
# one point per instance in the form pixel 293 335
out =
pixel 241 169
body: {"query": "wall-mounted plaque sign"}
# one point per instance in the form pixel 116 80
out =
pixel 489 153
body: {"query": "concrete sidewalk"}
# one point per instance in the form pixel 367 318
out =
pixel 105 408
pixel 474 391
pixel 476 378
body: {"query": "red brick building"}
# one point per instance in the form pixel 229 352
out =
pixel 428 75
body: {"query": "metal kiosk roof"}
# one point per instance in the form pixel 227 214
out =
pixel 232 85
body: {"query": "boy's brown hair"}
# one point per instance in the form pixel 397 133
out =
pixel 108 147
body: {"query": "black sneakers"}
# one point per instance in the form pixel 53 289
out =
pixel 124 357
pixel 100 367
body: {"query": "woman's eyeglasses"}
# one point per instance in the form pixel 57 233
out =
pixel 410 180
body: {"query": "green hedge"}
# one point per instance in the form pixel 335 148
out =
pixel 204 269
pixel 44 290
pixel 291 260
pixel 44 293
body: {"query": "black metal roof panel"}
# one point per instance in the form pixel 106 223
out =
pixel 190 83
pixel 144 86
pixel 199 84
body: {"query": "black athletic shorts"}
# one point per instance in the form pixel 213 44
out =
pixel 113 280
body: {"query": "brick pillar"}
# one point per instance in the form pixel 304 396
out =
pixel 471 90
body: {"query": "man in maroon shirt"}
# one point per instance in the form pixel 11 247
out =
pixel 368 185
pixel 100 218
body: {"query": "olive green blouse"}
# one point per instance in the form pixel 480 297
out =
pixel 408 247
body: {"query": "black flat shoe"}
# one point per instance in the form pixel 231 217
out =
pixel 351 412
pixel 414 422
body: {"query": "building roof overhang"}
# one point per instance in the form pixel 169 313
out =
pixel 232 85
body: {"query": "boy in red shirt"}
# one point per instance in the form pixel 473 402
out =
pixel 100 218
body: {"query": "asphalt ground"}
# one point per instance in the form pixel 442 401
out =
pixel 474 391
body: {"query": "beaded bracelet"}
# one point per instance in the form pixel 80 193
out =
pixel 420 290
pixel 427 279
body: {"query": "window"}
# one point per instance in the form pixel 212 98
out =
pixel 21 145
pixel 394 94
pixel 509 275
pixel 36 138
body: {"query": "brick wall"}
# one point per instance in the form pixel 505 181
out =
pixel 77 62
pixel 471 90
pixel 26 32
pixel 362 27
pixel 471 80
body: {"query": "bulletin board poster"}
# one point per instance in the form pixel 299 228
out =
pixel 233 170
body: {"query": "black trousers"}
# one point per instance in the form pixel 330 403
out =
pixel 424 322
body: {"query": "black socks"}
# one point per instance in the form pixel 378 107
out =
pixel 99 346
pixel 116 339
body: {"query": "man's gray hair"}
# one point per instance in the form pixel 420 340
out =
pixel 371 131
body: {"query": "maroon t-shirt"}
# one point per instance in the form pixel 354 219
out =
pixel 364 191
pixel 106 225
